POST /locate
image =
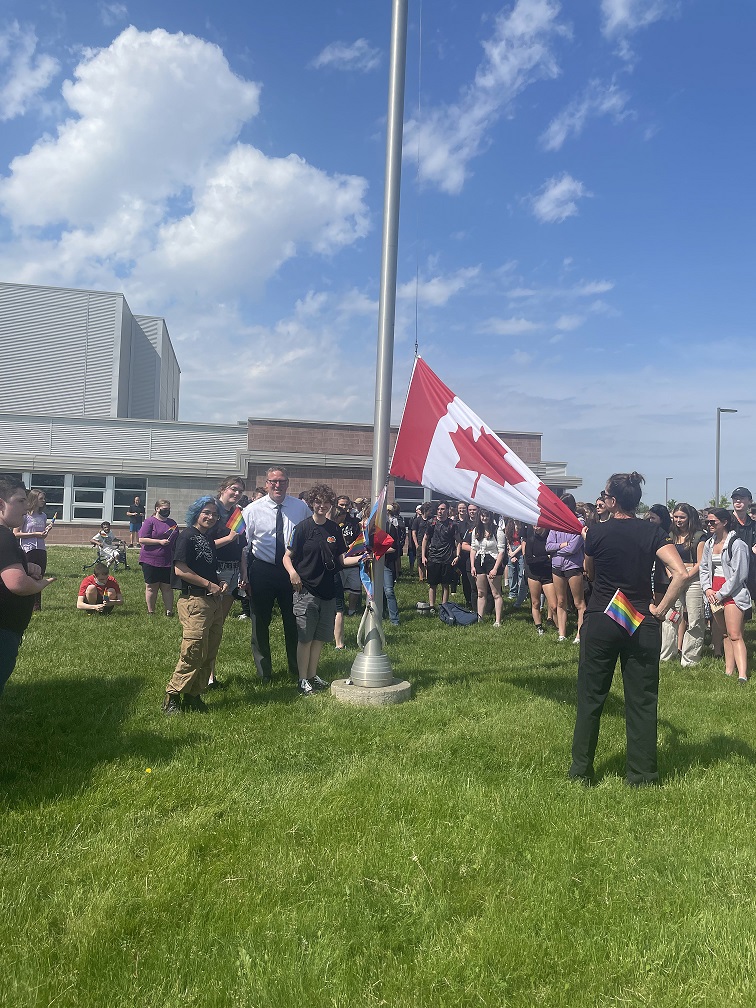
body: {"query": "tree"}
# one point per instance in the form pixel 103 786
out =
pixel 642 509
pixel 724 502
pixel 671 504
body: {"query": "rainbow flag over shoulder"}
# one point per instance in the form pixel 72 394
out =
pixel 235 521
pixel 622 611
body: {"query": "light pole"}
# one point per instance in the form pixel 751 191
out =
pixel 720 411
pixel 667 481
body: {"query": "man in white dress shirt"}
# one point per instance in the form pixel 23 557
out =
pixel 270 522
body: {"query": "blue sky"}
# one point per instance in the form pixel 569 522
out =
pixel 576 238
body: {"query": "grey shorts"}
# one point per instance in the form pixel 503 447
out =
pixel 315 617
pixel 350 578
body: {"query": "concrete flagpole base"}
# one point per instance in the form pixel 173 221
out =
pixel 398 691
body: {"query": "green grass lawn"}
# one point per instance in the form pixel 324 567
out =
pixel 294 851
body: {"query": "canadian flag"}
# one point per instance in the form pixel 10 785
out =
pixel 443 445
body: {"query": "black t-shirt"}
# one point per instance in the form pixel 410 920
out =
pixel 537 560
pixel 314 552
pixel 419 526
pixel 15 610
pixel 197 552
pixel 443 537
pixel 623 554
pixel 350 528
pixel 747 532
pixel 231 552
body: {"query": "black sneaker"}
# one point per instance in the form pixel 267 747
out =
pixel 171 704
pixel 319 684
pixel 306 688
pixel 195 703
pixel 540 630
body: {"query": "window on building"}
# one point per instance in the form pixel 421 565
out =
pixel 51 485
pixel 126 489
pixel 88 496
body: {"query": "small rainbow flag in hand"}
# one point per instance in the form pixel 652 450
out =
pixel 622 611
pixel 235 521
pixel 358 547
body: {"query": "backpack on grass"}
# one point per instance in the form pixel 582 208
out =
pixel 456 615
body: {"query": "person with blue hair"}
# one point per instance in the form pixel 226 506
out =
pixel 200 608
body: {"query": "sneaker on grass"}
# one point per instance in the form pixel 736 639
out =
pixel 319 684
pixel 171 704
pixel 306 687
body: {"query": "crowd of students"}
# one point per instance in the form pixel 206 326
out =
pixel 303 554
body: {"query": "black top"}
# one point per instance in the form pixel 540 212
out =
pixel 443 537
pixel 688 550
pixel 15 610
pixel 314 552
pixel 419 526
pixel 350 528
pixel 537 560
pixel 197 551
pixel 623 553
pixel 231 552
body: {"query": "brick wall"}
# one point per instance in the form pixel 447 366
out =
pixel 342 439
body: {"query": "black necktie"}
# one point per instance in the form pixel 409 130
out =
pixel 280 547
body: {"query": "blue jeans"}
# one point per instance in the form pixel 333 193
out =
pixel 10 642
pixel 388 591
pixel 515 575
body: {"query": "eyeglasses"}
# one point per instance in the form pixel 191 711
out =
pixel 281 482
pixel 713 521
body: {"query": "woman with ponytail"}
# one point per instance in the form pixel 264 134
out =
pixel 619 557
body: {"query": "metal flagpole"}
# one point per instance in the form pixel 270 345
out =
pixel 372 666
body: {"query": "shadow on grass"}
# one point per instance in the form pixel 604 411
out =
pixel 562 689
pixel 679 756
pixel 55 733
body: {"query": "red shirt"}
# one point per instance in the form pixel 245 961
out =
pixel 111 584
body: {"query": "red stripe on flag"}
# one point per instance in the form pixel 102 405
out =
pixel 427 401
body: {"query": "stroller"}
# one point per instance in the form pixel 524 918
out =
pixel 112 554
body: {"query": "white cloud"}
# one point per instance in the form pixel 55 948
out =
pixel 359 55
pixel 438 290
pixel 145 188
pixel 448 137
pixel 508 327
pixel 625 16
pixel 151 112
pixel 251 215
pixel 112 13
pixel 24 74
pixel 566 323
pixel 597 100
pixel 557 199
pixel 521 358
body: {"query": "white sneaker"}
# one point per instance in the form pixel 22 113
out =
pixel 577 639
pixel 305 687
pixel 242 616
pixel 560 638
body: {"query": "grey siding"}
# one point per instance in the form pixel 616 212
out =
pixel 83 354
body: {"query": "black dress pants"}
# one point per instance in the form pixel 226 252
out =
pixel 269 583
pixel 602 642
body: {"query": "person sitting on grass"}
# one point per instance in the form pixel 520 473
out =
pixel 313 560
pixel 99 592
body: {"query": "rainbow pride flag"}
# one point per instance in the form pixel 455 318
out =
pixel 358 547
pixel 622 611
pixel 235 521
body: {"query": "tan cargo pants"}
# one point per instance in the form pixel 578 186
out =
pixel 202 620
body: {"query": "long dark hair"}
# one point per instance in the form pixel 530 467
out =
pixel 723 515
pixel 694 523
pixel 480 528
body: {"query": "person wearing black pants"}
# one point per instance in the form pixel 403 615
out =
pixel 620 555
pixel 270 522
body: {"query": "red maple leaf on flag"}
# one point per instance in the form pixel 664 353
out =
pixel 484 457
